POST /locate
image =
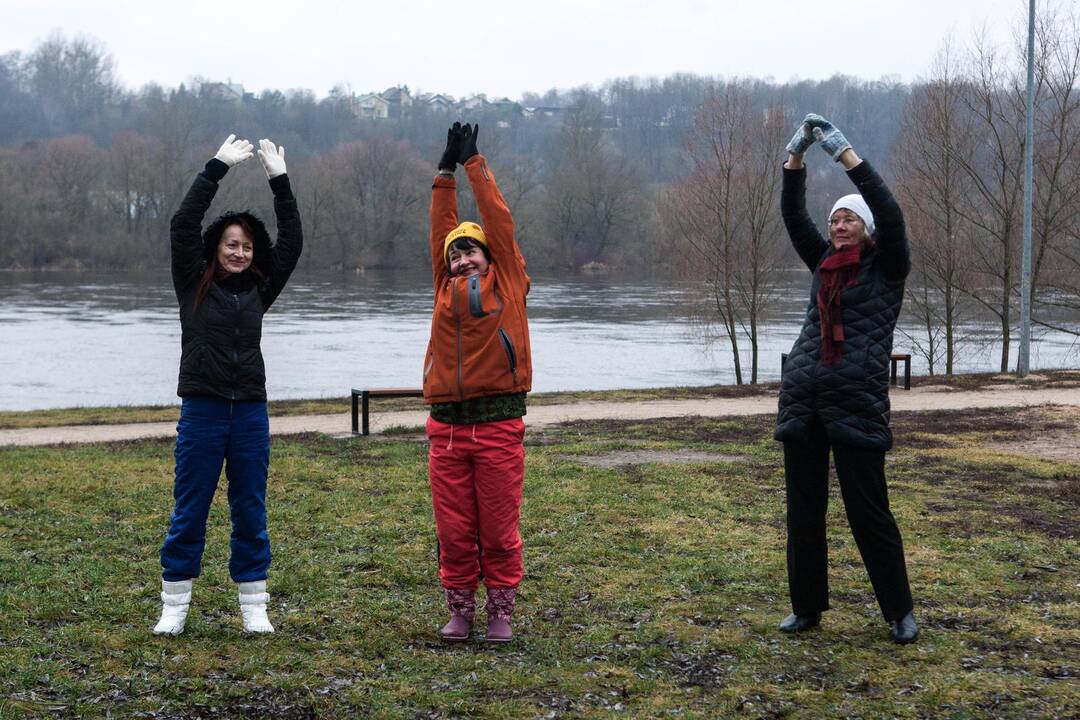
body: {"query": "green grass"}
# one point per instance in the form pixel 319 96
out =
pixel 650 590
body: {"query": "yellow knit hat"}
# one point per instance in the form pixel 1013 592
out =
pixel 465 229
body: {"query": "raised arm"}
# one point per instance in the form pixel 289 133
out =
pixel 494 213
pixel 185 228
pixel 290 234
pixel 805 237
pixel 891 233
pixel 444 216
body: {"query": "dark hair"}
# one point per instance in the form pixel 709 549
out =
pixel 464 243
pixel 213 268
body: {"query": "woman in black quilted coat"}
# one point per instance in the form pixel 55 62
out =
pixel 835 389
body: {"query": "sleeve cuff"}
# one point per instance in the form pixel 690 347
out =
pixel 444 181
pixel 861 172
pixel 794 178
pixel 281 185
pixel 215 169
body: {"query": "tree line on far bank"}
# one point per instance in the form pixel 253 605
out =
pixel 90 172
pixel 674 176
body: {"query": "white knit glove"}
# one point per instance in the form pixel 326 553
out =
pixel 272 158
pixel 233 151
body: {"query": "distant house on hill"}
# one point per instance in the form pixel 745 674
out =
pixel 438 102
pixel 370 107
pixel 476 102
pixel 504 104
pixel 505 109
pixel 399 100
pixel 531 112
pixel 226 91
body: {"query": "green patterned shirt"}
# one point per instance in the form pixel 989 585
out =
pixel 481 409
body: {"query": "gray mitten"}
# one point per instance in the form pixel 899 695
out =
pixel 801 141
pixel 832 140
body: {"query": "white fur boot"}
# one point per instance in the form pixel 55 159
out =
pixel 253 599
pixel 175 599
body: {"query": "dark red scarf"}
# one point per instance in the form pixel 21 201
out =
pixel 837 272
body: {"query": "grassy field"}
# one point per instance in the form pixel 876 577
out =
pixel 655 579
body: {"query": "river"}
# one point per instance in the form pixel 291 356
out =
pixel 97 339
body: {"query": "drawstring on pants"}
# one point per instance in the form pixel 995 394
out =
pixel 449 446
pixel 474 433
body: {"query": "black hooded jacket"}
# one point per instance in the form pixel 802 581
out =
pixel 851 397
pixel 220 347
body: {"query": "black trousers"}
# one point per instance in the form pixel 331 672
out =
pixel 861 473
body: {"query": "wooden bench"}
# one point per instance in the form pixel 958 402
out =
pixel 894 360
pixel 361 401
pixel 906 359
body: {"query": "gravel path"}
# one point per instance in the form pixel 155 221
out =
pixel 923 398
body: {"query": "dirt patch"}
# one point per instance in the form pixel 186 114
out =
pixel 1009 431
pixel 978 495
pixel 982 381
pixel 938 388
pixel 622 458
pixel 1055 438
pixel 708 670
pixel 692 428
pixel 1061 446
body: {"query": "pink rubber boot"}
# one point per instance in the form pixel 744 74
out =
pixel 500 608
pixel 462 611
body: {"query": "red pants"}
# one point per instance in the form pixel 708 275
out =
pixel 476 475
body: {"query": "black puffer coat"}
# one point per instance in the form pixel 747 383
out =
pixel 850 397
pixel 221 354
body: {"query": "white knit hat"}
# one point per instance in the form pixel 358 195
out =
pixel 857 205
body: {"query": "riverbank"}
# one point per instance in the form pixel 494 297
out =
pixel 654 555
pixel 331 417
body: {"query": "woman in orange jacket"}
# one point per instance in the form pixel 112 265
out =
pixel 477 372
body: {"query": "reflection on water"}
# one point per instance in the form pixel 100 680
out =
pixel 109 339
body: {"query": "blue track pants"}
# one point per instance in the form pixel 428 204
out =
pixel 212 432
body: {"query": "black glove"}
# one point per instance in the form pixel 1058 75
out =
pixel 453 148
pixel 468 142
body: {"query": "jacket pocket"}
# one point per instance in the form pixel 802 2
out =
pixel 511 354
pixel 193 363
pixel 476 298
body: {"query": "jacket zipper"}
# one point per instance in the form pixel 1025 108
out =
pixel 236 333
pixel 457 324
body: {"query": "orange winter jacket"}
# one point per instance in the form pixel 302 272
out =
pixel 479 332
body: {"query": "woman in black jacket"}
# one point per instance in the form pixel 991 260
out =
pixel 835 388
pixel 225 279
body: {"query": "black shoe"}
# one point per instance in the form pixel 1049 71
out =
pixel 904 630
pixel 797 623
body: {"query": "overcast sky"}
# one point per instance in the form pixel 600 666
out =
pixel 505 47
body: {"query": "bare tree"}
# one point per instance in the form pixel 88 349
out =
pixel 382 188
pixel 594 194
pixel 135 182
pixel 1056 216
pixel 74 80
pixel 994 100
pixel 725 210
pixel 936 132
